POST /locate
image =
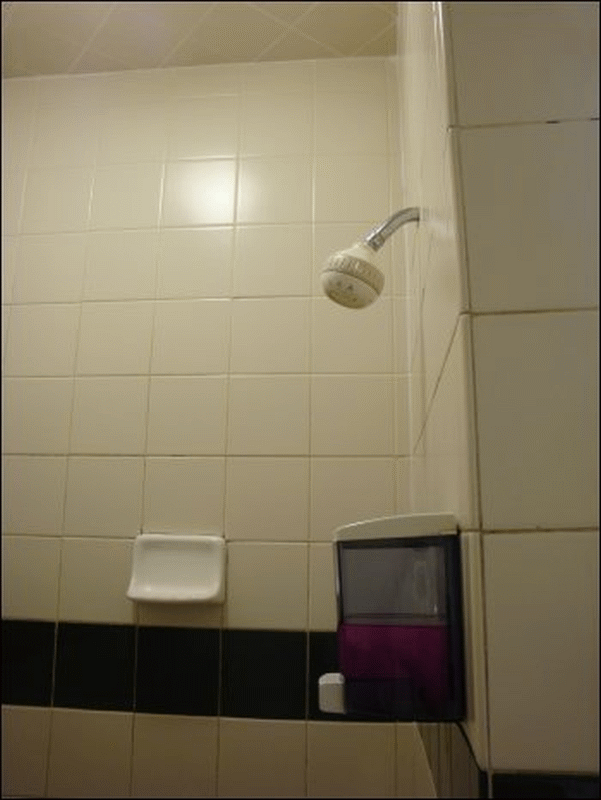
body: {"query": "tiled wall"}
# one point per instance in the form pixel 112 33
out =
pixel 170 363
pixel 501 153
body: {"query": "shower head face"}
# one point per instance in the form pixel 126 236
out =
pixel 351 278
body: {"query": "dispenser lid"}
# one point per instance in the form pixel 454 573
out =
pixel 399 526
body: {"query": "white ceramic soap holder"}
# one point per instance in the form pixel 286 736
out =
pixel 178 568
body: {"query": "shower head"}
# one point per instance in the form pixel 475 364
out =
pixel 351 277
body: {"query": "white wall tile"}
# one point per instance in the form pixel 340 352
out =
pixel 25 741
pixel 36 415
pixel 203 127
pixel 56 200
pixel 267 498
pixel 184 494
pixel 187 416
pixel 191 337
pixel 345 490
pixel 174 756
pixel 50 268
pixel 270 335
pixel 131 133
pixel 13 185
pixel 89 748
pixel 322 594
pixel 272 260
pixel 195 262
pixel 121 265
pixel 278 77
pixel 337 122
pixel 536 384
pixel 199 193
pixel 536 249
pixel 274 189
pixel 202 80
pixel 267 586
pixel 104 497
pixel 546 53
pixel 42 340
pixel 126 196
pixel 109 415
pixel 351 415
pixel 115 338
pixel 261 758
pixel 344 341
pixel 351 188
pixel 33 490
pixel 30 570
pixel 95 574
pixel 543 658
pixel 64 137
pixel 350 760
pixel 276 124
pixel 336 75
pixel 268 415
pixel 10 245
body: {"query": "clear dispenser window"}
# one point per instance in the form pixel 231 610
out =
pixel 390 585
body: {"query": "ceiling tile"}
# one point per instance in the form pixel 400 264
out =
pixel 22 51
pixel 287 12
pixel 75 22
pixel 76 37
pixel 344 26
pixel 236 31
pixel 143 34
pixel 296 46
pixel 382 45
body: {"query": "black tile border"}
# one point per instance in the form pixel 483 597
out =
pixel 28 653
pixel 95 666
pixel 544 785
pixel 177 670
pixel 264 674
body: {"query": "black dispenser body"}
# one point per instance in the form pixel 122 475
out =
pixel 400 631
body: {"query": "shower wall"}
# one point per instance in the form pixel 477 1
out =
pixel 499 123
pixel 170 364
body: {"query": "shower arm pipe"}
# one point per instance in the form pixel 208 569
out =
pixel 378 235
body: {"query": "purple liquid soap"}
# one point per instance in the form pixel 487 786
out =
pixel 416 654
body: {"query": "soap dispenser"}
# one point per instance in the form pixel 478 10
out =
pixel 399 635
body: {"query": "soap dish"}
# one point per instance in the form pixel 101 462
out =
pixel 174 568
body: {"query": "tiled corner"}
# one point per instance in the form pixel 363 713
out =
pixel 449 434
